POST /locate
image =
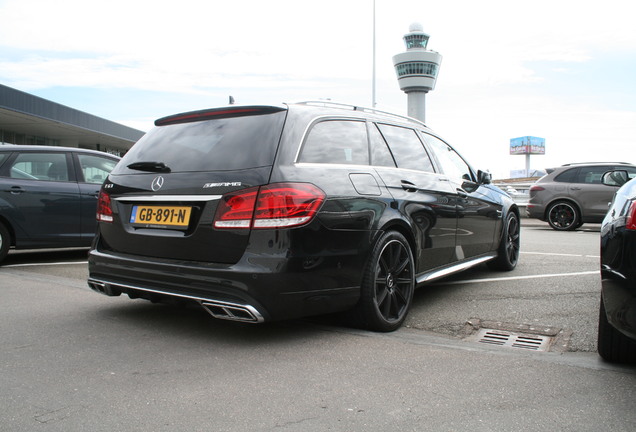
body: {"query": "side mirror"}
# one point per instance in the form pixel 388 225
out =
pixel 484 177
pixel 615 178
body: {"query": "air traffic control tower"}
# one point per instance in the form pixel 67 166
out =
pixel 416 70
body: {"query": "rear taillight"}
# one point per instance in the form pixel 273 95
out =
pixel 280 205
pixel 630 221
pixel 104 210
pixel 536 188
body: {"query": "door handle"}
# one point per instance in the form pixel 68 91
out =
pixel 16 190
pixel 408 186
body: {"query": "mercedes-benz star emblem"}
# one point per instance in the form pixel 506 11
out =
pixel 157 182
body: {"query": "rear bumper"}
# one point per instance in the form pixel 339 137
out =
pixel 255 290
pixel 535 212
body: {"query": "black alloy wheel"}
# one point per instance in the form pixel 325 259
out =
pixel 563 216
pixel 508 252
pixel 388 284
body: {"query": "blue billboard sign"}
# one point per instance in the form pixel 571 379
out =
pixel 527 145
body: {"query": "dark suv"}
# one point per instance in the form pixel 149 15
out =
pixel 573 194
pixel 262 213
pixel 48 195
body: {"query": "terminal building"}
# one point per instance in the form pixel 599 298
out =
pixel 28 119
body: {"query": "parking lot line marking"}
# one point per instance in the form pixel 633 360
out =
pixel 540 276
pixel 44 264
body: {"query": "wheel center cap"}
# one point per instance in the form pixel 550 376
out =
pixel 390 282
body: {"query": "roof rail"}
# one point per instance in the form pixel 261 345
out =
pixel 597 163
pixel 358 108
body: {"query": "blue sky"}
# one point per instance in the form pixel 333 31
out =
pixel 559 69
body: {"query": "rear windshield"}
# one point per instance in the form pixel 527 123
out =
pixel 213 145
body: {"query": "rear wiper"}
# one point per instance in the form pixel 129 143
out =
pixel 150 166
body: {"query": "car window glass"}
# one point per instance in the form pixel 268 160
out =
pixel 568 176
pixel 451 162
pixel 336 142
pixel 3 156
pixel 40 166
pixel 221 144
pixel 380 153
pixel 95 168
pixel 592 175
pixel 406 147
pixel 631 171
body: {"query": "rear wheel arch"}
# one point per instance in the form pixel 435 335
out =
pixel 403 228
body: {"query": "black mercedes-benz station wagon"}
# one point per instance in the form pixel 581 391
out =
pixel 262 213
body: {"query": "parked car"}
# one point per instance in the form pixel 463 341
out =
pixel 262 213
pixel 617 318
pixel 48 196
pixel 571 195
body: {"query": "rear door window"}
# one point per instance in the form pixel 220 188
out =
pixel 406 147
pixel 591 175
pixel 40 166
pixel 380 153
pixel 336 142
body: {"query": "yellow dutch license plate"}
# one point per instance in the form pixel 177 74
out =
pixel 161 216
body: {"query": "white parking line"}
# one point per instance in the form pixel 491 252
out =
pixel 541 276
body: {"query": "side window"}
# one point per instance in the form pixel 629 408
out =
pixel 380 153
pixel 631 171
pixel 451 162
pixel 336 142
pixel 40 166
pixel 94 168
pixel 568 176
pixel 406 148
pixel 592 175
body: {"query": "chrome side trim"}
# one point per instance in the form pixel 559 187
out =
pixel 154 198
pixel 251 314
pixel 436 274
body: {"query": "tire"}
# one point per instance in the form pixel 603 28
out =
pixel 508 252
pixel 5 242
pixel 614 346
pixel 564 216
pixel 388 284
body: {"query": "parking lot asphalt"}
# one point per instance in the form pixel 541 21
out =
pixel 74 360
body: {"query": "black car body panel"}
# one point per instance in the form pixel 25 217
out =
pixel 617 342
pixel 48 195
pixel 335 161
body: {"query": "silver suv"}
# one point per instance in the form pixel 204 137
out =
pixel 573 194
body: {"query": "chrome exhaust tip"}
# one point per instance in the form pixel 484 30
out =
pixel 232 312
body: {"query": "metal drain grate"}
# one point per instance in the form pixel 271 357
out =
pixel 512 340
